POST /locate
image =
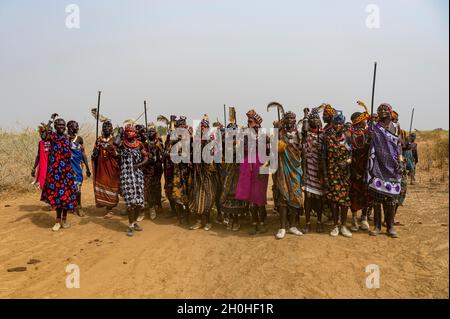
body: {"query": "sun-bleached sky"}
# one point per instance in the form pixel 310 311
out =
pixel 190 57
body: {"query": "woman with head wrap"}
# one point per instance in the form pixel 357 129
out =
pixel 133 157
pixel 105 165
pixel 360 148
pixel 313 168
pixel 59 188
pixel 252 186
pixel 232 207
pixel 339 157
pixel 288 177
pixel 384 173
pixel 204 181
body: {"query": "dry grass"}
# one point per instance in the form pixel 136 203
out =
pixel 17 154
pixel 18 151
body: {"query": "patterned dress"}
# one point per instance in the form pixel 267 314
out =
pixel 288 177
pixel 229 204
pixel 360 150
pixel 75 162
pixel 131 180
pixel 59 189
pixel 338 150
pixel 313 165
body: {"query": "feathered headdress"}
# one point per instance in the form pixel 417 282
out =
pixel 363 116
pixel 100 116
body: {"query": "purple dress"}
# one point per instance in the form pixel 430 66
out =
pixel 251 186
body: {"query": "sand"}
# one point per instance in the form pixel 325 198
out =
pixel 168 261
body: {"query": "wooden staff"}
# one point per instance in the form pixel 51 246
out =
pixel 98 114
pixel 373 86
pixel 410 124
pixel 145 112
pixel 224 116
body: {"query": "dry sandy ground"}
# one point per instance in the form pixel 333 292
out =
pixel 167 261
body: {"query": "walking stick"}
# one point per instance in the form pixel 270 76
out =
pixel 224 116
pixel 145 111
pixel 98 114
pixel 373 87
pixel 410 125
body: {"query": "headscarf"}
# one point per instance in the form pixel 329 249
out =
pixel 255 116
pixel 394 115
pixel 359 117
pixel 329 110
pixel 338 118
pixel 385 104
pixel 205 121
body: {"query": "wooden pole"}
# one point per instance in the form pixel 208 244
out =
pixel 98 114
pixel 145 111
pixel 373 87
pixel 411 123
pixel 224 115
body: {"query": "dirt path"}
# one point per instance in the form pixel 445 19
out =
pixel 167 261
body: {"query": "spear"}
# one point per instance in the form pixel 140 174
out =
pixel 410 124
pixel 373 86
pixel 145 111
pixel 224 116
pixel 98 114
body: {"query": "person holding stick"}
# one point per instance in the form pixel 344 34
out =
pixel 59 188
pixel 384 173
pixel 105 164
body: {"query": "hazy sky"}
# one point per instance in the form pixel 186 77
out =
pixel 190 57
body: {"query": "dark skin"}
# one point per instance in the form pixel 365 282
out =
pixel 384 118
pixel 73 131
pixel 314 123
pixel 130 138
pixel 60 129
pixel 288 214
pixel 107 130
pixel 257 212
pixel 339 210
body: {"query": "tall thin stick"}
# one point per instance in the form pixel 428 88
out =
pixel 373 87
pixel 224 116
pixel 98 114
pixel 145 111
pixel 410 124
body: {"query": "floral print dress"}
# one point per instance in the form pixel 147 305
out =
pixel 59 189
pixel 338 151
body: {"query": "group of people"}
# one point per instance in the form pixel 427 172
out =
pixel 323 170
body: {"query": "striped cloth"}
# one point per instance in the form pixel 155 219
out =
pixel 313 180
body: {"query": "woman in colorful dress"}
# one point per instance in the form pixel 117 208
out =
pixel 78 158
pixel 359 196
pixel 313 166
pixel 59 188
pixel 232 207
pixel 252 186
pixel 288 177
pixel 105 164
pixel 133 157
pixel 339 157
pixel 384 173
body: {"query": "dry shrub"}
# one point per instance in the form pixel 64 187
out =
pixel 18 151
pixel 433 149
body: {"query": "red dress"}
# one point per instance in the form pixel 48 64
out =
pixel 59 189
